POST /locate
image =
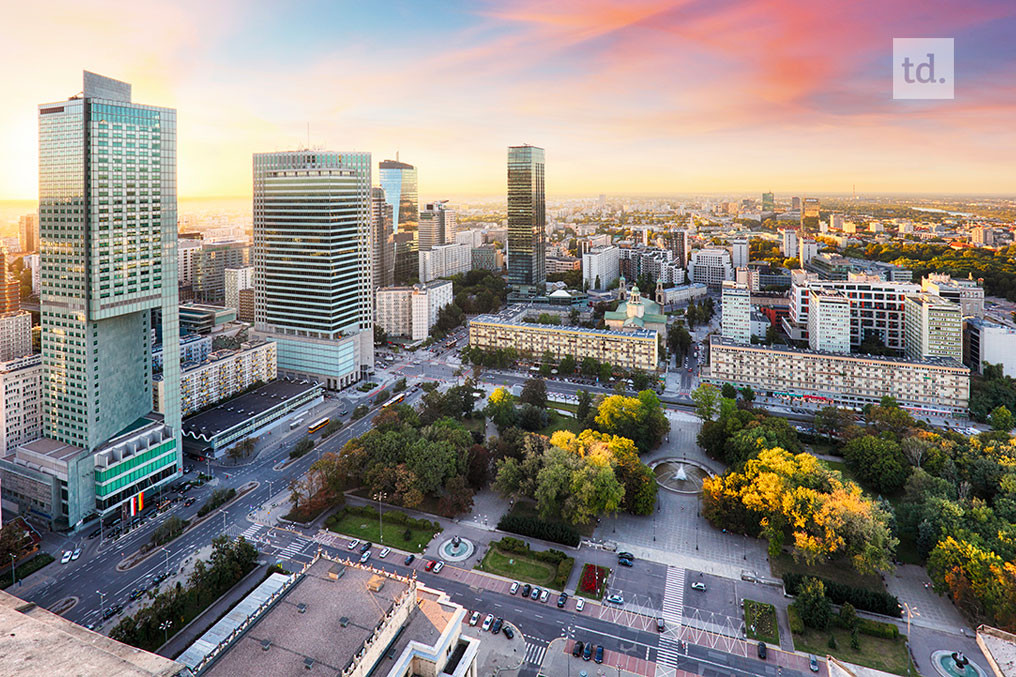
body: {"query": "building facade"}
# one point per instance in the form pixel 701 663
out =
pixel 601 267
pixel 20 402
pixel 527 219
pixel 28 230
pixel 489 257
pixel 312 263
pixel 221 375
pixel 788 243
pixel 399 181
pixel 710 267
pixel 736 320
pixel 382 239
pixel 967 294
pixel 934 327
pixel 444 261
pixel 987 342
pixel 437 225
pixel 235 280
pixel 829 321
pixel 208 268
pixel 412 311
pixel 15 335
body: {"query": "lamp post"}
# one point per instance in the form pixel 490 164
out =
pixel 165 626
pixel 102 604
pixel 14 577
pixel 380 532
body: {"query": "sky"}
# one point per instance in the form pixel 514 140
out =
pixel 627 97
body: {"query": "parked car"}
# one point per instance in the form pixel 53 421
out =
pixel 366 546
pixel 561 599
pixel 762 650
pixel 525 590
pixel 430 565
pixel 813 663
pixel 615 599
pixel 365 557
pixel 487 622
pixel 535 594
pixel 599 654
pixel 661 625
pixel 544 595
pixel 580 604
pixel 577 649
pixel 475 618
pixel 508 632
pixel 94 534
pixel 409 559
pixel 514 588
pixel 354 543
pixel 624 561
pixel 77 553
pixel 587 651
pixel 384 553
pixel 498 624
pixel 626 555
pixel 698 585
pixel 135 593
pixel 66 557
pixel 438 567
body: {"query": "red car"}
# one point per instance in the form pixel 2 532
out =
pixel 430 564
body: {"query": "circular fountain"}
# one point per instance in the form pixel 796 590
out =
pixel 954 664
pixel 456 549
pixel 680 475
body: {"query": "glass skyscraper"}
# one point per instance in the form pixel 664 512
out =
pixel 399 182
pixel 527 220
pixel 313 262
pixel 108 229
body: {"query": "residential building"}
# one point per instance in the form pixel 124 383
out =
pixel 489 257
pixel 967 294
pixel 788 243
pixel 887 271
pixel 630 349
pixel 246 305
pixel 399 182
pixel 677 242
pixel 828 321
pixel 759 323
pixel 836 221
pixel 193 348
pixel 33 263
pixel 15 335
pixel 736 317
pixel 601 267
pixel 474 237
pixel 934 327
pixel 739 252
pixel 795 204
pixel 312 262
pixel 202 318
pixel 235 279
pixel 382 240
pixel 20 401
pixel 221 375
pixel 527 219
pixel 28 228
pixel 10 286
pixel 988 342
pixel 808 249
pixel 829 266
pixel 407 258
pixel 561 264
pixel 437 225
pixel 656 264
pixel 981 236
pixel 188 251
pixel 107 266
pixel 209 264
pixel 412 311
pixel 934 386
pixel 710 267
pixel 747 276
pixel 444 261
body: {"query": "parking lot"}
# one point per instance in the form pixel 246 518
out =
pixel 642 583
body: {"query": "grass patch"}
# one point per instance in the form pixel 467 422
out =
pixel 519 567
pixel 25 569
pixel 889 655
pixel 593 581
pixel 366 529
pixel 760 621
pixel 558 421
pixel 563 406
pixel 841 571
pixel 842 468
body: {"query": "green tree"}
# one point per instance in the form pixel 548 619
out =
pixel 640 380
pixel 812 605
pixel 706 398
pixel 585 403
pixel 747 394
pixel 678 339
pixel 832 420
pixel 534 392
pixel 640 419
pixel 878 462
pixel 848 616
pixel 729 391
pixel 1001 419
pixel 500 409
pixel 567 366
pixel 590 366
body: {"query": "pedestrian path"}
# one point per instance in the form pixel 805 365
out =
pixel 673 597
pixel 294 548
pixel 536 648
pixel 251 533
pixel 666 656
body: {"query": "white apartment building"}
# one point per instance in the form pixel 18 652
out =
pixel 736 320
pixel 710 267
pixel 987 342
pixel 876 306
pixel 224 374
pixel 445 261
pixel 968 294
pixel 472 237
pixel 188 251
pixel 683 293
pixel 828 321
pixel 15 335
pixel 602 264
pixel 32 262
pixel 739 252
pixel 788 242
pixel 20 401
pixel 807 250
pixel 934 386
pixel 934 327
pixel 236 279
pixel 437 225
pixel 412 311
pixel 836 221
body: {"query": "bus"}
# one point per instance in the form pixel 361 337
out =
pixel 316 426
pixel 395 400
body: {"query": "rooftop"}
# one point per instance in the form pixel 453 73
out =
pixel 241 408
pixel 512 316
pixel 940 362
pixel 999 647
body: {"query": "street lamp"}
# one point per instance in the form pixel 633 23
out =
pixel 102 604
pixel 14 577
pixel 380 532
pixel 165 626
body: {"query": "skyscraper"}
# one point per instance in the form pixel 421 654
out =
pixel 107 222
pixel 739 252
pixel 29 232
pixel 736 322
pixel 768 202
pixel 399 182
pixel 437 225
pixel 382 239
pixel 677 242
pixel 313 262
pixel 527 219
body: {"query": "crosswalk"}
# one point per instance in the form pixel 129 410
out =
pixel 535 651
pixel 252 532
pixel 294 548
pixel 673 613
pixel 666 656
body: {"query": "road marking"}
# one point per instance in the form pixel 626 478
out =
pixel 617 637
pixel 535 653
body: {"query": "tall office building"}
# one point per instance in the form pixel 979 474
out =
pixel 795 204
pixel 677 242
pixel 810 207
pixel 736 322
pixel 382 239
pixel 399 183
pixel 312 263
pixel 933 327
pixel 108 230
pixel 437 225
pixel 768 202
pixel 739 252
pixel 527 220
pixel 10 287
pixel 28 228
pixel 829 321
pixel 788 242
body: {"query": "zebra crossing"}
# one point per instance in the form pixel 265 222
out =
pixel 666 656
pixel 252 532
pixel 534 651
pixel 294 548
pixel 668 650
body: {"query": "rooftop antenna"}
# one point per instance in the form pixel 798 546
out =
pixel 308 135
pixel 396 156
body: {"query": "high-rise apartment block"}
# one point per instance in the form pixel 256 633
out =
pixel 412 311
pixel 382 239
pixel 807 250
pixel 988 342
pixel 188 251
pixel 968 293
pixel 20 401
pixel 934 327
pixel 828 321
pixel 15 335
pixel 739 252
pixel 235 280
pixel 209 264
pixel 788 243
pixel 677 242
pixel 444 261
pixel 736 322
pixel 527 219
pixel 312 263
pixel 768 202
pixel 710 267
pixel 28 230
pixel 437 225
pixel 489 257
pixel 600 267
pixel 399 182
pixel 795 204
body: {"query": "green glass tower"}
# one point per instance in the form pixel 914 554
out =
pixel 527 220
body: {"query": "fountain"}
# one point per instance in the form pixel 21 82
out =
pixel 456 549
pixel 680 475
pixel 955 664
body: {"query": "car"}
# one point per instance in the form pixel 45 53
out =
pixel 625 562
pixel 189 502
pixel 353 544
pixel 487 622
pixel 615 599
pixel 577 649
pixel 430 565
pixel 77 553
pixel 599 654
pixel 409 559
pixel 587 651
pixel 535 594
pixel 438 567
pixel 626 555
pixel 66 557
pixel 343 412
pixel 366 546
pixel 661 625
pixel 698 585
pixel 508 632
pixel 475 618
pixel 580 604
pixel 365 557
pixel 498 624
pixel 514 588
pixel 762 650
pixel 135 593
pixel 525 590
pixel 544 595
pixel 561 599
pixel 384 553
pixel 813 663
pixel 94 534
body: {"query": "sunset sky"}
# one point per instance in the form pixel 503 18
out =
pixel 635 96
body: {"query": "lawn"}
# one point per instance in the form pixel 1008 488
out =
pixel 889 655
pixel 563 406
pixel 591 574
pixel 518 567
pixel 366 529
pixel 760 621
pixel 841 571
pixel 559 421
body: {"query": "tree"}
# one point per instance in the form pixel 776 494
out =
pixel 380 336
pixel 878 462
pixel 567 365
pixel 590 366
pixel 812 605
pixel 532 418
pixel 1001 419
pixel 640 419
pixel 832 420
pixel 848 616
pixel 747 394
pixel 678 339
pixel 706 398
pixel 606 371
pixel 501 409
pixel 534 392
pixel 585 403
pixel 478 470
pixel 728 391
pixel 640 380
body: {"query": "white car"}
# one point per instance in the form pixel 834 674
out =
pixel 384 553
pixel 353 543
pixel 615 599
pixel 487 622
pixel 544 595
pixel 580 604
pixel 475 618
pixel 514 588
pixel 66 557
pixel 698 585
pixel 438 567
pixel 365 557
pixel 77 553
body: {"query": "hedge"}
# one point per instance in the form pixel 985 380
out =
pixel 867 626
pixel 218 497
pixel 537 528
pixel 796 624
pixel 869 600
pixel 563 563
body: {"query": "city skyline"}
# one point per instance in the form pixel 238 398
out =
pixel 780 95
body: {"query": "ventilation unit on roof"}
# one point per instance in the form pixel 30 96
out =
pixel 301 607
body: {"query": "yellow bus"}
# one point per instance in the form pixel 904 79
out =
pixel 316 426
